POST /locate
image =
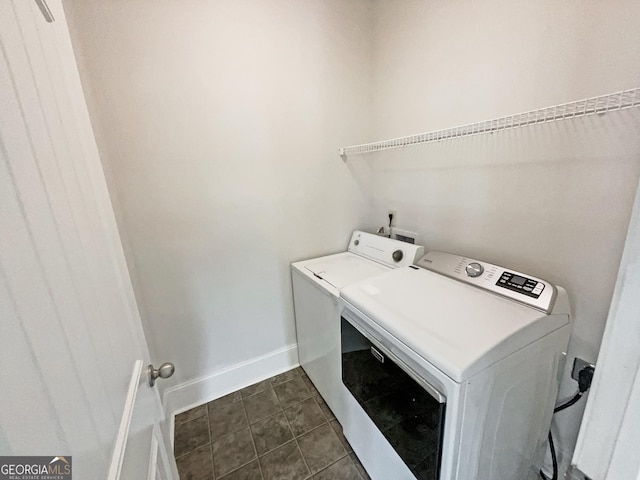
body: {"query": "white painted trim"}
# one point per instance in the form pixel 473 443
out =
pixel 153 455
pixel 125 422
pixel 180 398
pixel 166 461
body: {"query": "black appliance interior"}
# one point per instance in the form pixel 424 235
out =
pixel 408 416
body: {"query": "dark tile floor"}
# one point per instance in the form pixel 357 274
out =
pixel 277 429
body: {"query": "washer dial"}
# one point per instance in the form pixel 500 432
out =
pixel 474 269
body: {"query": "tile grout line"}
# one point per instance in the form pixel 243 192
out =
pixel 213 465
pixel 295 439
pixel 209 444
pixel 196 447
pixel 191 451
pixel 281 411
pixel 253 441
pixel 289 424
pixel 337 460
pixel 228 434
pixel 328 422
pixel 325 416
pixel 182 422
pixel 249 424
pixel 348 454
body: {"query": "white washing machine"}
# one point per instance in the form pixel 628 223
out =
pixel 316 286
pixel 452 370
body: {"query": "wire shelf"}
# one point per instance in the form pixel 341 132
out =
pixel 581 108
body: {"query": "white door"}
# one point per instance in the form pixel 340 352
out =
pixel 72 351
pixel 607 447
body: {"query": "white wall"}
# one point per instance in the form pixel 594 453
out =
pixel 553 200
pixel 218 124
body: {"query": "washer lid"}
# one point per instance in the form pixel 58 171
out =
pixel 343 270
pixel 456 327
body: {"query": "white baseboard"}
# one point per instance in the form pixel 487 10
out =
pixel 185 396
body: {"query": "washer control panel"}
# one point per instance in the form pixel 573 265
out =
pixel 387 251
pixel 517 286
pixel 518 283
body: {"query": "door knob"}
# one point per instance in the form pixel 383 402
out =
pixel 165 371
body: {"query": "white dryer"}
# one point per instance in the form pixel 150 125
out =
pixel 316 286
pixel 451 370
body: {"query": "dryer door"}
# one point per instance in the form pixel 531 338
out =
pixel 409 412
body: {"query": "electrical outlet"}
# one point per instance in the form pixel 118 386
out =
pixel 578 365
pixel 394 217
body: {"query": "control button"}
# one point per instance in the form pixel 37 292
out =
pixel 503 281
pixel 474 269
pixel 540 285
pixel 528 289
pixel 537 291
pixel 397 255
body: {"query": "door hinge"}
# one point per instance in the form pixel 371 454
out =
pixel 46 12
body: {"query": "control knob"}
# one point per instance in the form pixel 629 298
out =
pixel 397 255
pixel 474 269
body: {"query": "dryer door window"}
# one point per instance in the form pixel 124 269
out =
pixel 410 417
